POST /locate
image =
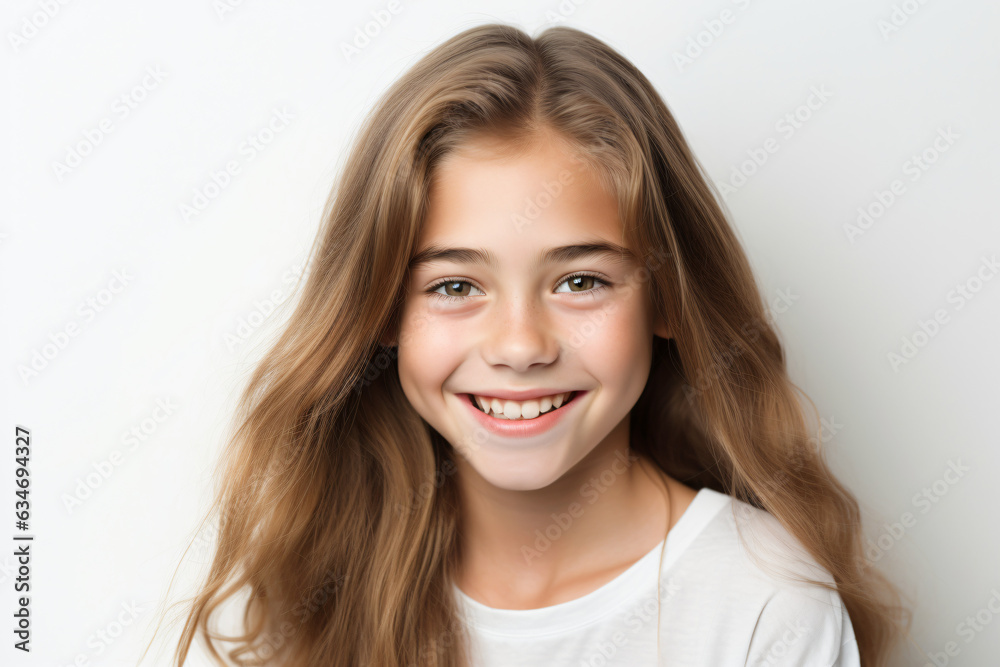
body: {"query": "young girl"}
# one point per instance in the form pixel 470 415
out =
pixel 530 409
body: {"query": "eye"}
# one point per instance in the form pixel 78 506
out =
pixel 584 281
pixel 452 284
pixel 579 283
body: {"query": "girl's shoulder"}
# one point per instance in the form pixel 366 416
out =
pixel 741 577
pixel 748 542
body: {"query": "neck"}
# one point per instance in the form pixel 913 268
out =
pixel 522 547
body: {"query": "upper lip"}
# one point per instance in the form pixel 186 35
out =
pixel 520 394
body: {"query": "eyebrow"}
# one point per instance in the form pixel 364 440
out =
pixel 485 257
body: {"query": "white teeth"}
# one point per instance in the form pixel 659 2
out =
pixel 520 410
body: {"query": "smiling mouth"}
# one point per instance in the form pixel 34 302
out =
pixel 569 400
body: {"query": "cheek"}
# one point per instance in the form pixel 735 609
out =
pixel 427 356
pixel 615 346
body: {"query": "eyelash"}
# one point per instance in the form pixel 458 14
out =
pixel 446 281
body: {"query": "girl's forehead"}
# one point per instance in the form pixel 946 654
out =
pixel 519 199
pixel 542 178
pixel 525 204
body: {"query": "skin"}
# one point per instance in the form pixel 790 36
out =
pixel 523 325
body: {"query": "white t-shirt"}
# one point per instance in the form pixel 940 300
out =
pixel 717 607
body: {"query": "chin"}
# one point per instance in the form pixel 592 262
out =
pixel 519 471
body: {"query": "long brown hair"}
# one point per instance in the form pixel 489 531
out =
pixel 338 511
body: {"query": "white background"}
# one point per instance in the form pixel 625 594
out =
pixel 162 336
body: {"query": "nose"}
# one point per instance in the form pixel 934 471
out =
pixel 520 336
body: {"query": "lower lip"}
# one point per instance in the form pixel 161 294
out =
pixel 521 428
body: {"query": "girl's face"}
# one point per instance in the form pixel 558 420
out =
pixel 522 290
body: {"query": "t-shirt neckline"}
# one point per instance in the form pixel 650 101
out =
pixel 591 607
